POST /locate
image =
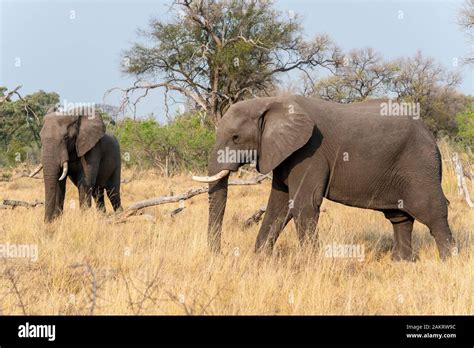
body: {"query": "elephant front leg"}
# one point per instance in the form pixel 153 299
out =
pixel 85 196
pixel 90 167
pixel 305 202
pixel 276 217
pixel 306 221
pixel 60 195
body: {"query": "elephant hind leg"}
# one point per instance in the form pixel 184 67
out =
pixel 113 190
pixel 98 194
pixel 114 197
pixel 402 231
pixel 441 232
pixel 432 211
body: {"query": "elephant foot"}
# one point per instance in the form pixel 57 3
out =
pixel 264 249
pixel 214 247
pixel 311 245
pixel 447 250
pixel 399 256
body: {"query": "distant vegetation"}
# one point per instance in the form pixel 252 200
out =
pixel 212 55
pixel 183 144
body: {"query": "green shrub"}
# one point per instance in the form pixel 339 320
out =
pixel 465 123
pixel 183 144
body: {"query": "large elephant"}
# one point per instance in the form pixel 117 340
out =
pixel 347 153
pixel 76 146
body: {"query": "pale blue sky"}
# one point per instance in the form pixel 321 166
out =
pixel 80 58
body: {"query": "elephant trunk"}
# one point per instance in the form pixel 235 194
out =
pixel 53 164
pixel 218 180
pixel 217 204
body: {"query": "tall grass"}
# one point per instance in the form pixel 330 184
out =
pixel 155 264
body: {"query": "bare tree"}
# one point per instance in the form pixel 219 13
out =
pixel 215 53
pixel 363 73
pixel 418 77
pixel 422 80
pixel 466 22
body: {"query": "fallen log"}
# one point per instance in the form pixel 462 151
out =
pixel 18 176
pixel 176 211
pixel 255 217
pixel 132 209
pixel 15 203
pixel 253 181
pixel 166 199
pixel 26 175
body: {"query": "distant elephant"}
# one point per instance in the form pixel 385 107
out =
pixel 347 153
pixel 78 147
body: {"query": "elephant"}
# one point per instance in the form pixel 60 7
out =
pixel 347 153
pixel 76 145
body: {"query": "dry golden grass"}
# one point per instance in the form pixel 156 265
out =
pixel 164 267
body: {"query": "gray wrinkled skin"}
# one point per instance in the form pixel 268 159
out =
pixel 347 153
pixel 93 157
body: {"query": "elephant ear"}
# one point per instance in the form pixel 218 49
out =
pixel 91 130
pixel 286 127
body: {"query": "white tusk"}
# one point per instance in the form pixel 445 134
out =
pixel 218 176
pixel 36 171
pixel 65 167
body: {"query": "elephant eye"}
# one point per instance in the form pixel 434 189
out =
pixel 235 138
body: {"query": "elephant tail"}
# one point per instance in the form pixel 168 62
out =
pixel 440 161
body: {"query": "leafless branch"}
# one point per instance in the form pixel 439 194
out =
pixel 27 107
pixel 146 86
pixel 93 283
pixel 15 203
pixel 10 275
pixel 10 94
pixel 255 217
pixel 151 286
pixel 134 208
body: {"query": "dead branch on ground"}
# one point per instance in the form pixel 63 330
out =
pixel 255 217
pixel 134 208
pixel 11 204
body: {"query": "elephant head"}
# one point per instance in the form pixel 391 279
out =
pixel 273 128
pixel 65 137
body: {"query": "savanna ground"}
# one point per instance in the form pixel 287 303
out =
pixel 155 264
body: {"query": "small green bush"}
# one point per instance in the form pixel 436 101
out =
pixel 183 144
pixel 465 123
